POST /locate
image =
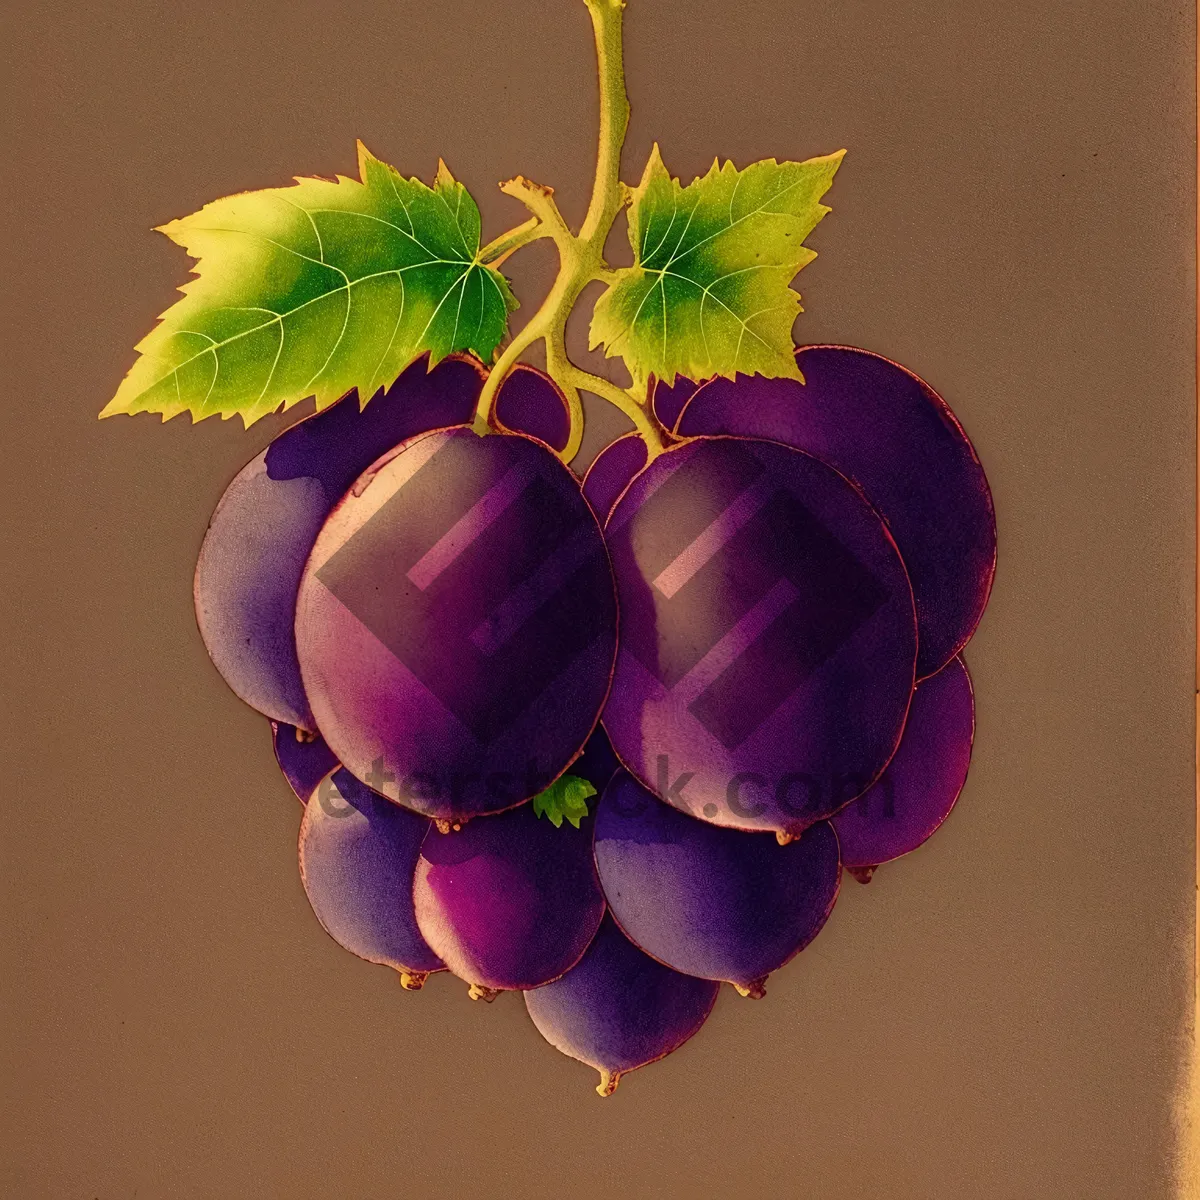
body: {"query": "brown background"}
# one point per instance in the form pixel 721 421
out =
pixel 1003 1014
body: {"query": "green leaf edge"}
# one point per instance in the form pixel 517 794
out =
pixel 655 165
pixel 127 404
pixel 566 797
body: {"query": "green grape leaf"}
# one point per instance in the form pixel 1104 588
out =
pixel 565 797
pixel 708 291
pixel 317 288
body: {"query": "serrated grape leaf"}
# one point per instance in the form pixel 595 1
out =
pixel 708 291
pixel 317 288
pixel 565 797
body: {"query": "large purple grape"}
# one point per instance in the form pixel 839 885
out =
pixel 768 637
pixel 893 435
pixel 618 1009
pixel 358 852
pixel 456 623
pixel 716 903
pixel 263 528
pixel 509 901
pixel 304 760
pixel 611 471
pixel 529 401
pixel 922 782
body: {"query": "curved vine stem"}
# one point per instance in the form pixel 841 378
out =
pixel 559 366
pixel 581 257
pixel 644 421
pixel 496 251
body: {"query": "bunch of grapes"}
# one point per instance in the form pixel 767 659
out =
pixel 430 618
pixel 606 742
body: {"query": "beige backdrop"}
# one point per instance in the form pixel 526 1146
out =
pixel 1000 1015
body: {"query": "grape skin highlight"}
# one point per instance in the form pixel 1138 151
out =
pixel 456 623
pixel 260 535
pixel 768 637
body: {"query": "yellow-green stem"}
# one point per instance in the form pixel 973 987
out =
pixel 497 250
pixel 581 256
pixel 608 196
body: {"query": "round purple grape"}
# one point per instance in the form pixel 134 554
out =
pixel 610 473
pixel 618 1009
pixel 456 623
pixel 358 853
pixel 509 901
pixel 529 401
pixel 711 902
pixel 669 400
pixel 890 433
pixel 922 782
pixel 768 637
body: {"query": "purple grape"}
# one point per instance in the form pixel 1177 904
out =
pixel 509 901
pixel 262 531
pixel 922 782
pixel 529 401
pixel 611 471
pixel 768 637
pixel 263 528
pixel 304 759
pixel 711 902
pixel 618 1009
pixel 456 623
pixel 670 400
pixel 358 852
pixel 896 438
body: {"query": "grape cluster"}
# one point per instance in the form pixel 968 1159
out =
pixel 742 652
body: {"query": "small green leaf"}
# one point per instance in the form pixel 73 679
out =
pixel 565 797
pixel 314 289
pixel 708 292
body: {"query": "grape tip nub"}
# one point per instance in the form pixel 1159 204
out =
pixel 608 1082
pixel 754 990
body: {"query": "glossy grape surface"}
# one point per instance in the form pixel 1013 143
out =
pixel 768 637
pixel 456 623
